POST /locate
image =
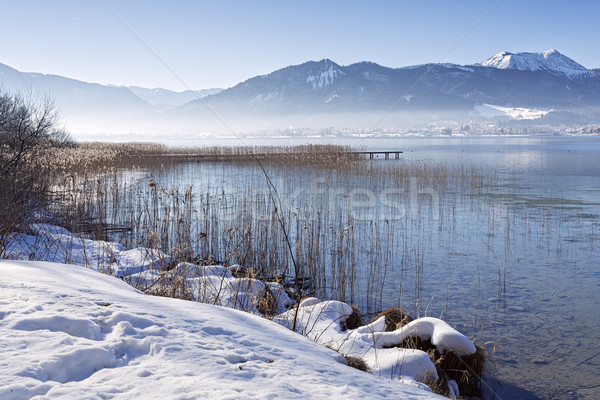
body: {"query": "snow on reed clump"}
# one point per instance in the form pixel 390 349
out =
pixel 150 270
pixel 322 321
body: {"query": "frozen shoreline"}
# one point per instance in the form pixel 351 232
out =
pixel 320 321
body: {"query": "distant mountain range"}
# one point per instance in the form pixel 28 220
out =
pixel 167 98
pixel 546 81
pixel 94 107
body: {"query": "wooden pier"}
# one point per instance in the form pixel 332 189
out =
pixel 281 155
pixel 386 154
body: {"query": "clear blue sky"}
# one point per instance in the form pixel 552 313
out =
pixel 220 43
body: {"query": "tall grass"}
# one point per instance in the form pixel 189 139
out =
pixel 342 247
pixel 130 193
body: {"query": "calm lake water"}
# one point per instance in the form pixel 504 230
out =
pixel 514 265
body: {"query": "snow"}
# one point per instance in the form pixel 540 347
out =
pixel 263 98
pixel 72 332
pixel 551 61
pixel 332 98
pixel 51 243
pixel 321 321
pixel 456 66
pixel 326 77
pixel 491 111
pixel 68 331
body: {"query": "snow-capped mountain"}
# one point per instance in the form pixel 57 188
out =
pixel 547 80
pixel 335 93
pixel 550 61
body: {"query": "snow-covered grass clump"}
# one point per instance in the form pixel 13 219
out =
pixel 382 350
pixel 150 270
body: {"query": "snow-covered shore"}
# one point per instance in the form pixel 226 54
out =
pixel 71 332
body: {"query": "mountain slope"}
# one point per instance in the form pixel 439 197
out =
pixel 93 108
pixel 325 86
pixel 551 61
pixel 167 98
pixel 71 94
pixel 323 93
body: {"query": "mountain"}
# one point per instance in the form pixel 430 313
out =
pixel 324 86
pixel 547 80
pixel 83 106
pixel 167 98
pixel 551 61
pixel 91 107
pixel 71 95
pixel 318 94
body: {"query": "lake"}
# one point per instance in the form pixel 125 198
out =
pixel 496 235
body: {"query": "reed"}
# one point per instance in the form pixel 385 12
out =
pixel 134 194
pixel 343 245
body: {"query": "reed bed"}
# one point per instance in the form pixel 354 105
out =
pixel 345 241
pixel 95 157
pixel 344 227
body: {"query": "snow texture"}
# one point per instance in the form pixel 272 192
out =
pixel 71 332
pixel 551 61
pixel 64 324
pixel 326 77
pixel 491 111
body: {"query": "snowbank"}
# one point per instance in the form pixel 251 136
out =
pixel 81 338
pixel 146 269
pixel 322 322
pixel 72 332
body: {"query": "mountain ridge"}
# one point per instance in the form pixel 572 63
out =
pixel 548 79
pixel 337 94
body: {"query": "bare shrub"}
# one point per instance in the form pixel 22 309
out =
pixel 28 129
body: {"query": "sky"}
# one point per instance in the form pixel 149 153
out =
pixel 197 44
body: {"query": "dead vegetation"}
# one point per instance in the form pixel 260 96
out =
pixel 357 363
pixel 96 157
pixel 467 371
pixel 113 192
pixel 394 318
pixel 354 321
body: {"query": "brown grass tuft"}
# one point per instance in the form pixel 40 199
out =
pixel 394 318
pixel 357 363
pixel 266 305
pixel 467 370
pixel 354 320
